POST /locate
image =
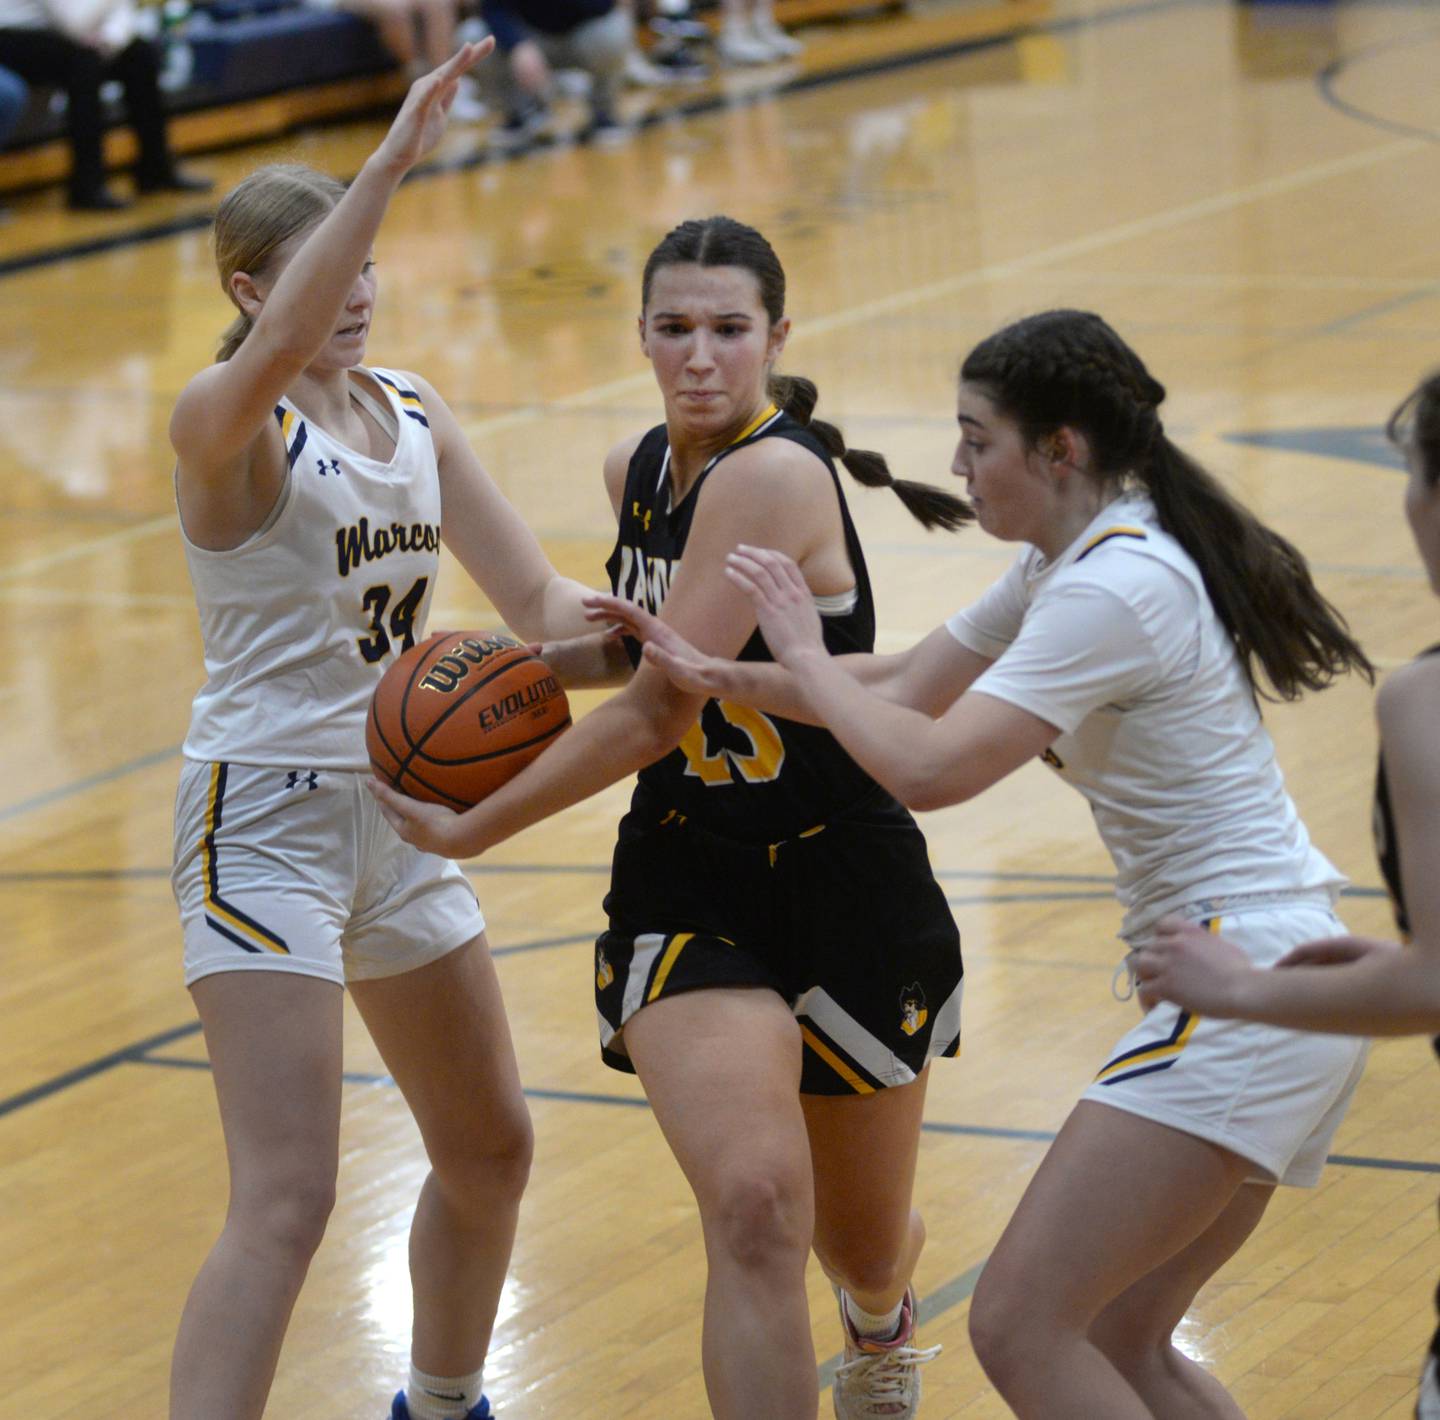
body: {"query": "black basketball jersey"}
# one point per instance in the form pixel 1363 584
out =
pixel 1387 850
pixel 1387 847
pixel 744 774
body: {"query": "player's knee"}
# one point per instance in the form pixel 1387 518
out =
pixel 287 1217
pixel 861 1267
pixel 489 1161
pixel 759 1215
pixel 870 1259
pixel 1003 1330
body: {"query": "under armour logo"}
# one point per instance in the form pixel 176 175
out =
pixel 644 517
pixel 328 466
pixel 296 777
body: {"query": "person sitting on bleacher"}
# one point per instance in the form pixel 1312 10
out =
pixel 419 33
pixel 78 45
pixel 535 37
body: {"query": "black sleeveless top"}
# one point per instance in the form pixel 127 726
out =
pixel 753 777
pixel 1387 850
pixel 1387 846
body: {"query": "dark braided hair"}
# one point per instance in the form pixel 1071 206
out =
pixel 1069 368
pixel 722 241
pixel 1415 425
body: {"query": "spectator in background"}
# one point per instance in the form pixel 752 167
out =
pixel 536 37
pixel 78 45
pixel 419 33
pixel 14 95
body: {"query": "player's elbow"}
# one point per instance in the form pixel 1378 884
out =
pixel 922 787
pixel 921 794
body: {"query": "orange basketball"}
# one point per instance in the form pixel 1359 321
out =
pixel 459 714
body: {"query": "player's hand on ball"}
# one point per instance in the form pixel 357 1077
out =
pixel 432 828
pixel 1188 964
pixel 784 604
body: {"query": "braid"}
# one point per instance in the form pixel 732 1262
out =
pixel 1069 368
pixel 931 507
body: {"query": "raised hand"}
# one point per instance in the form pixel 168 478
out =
pixel 784 604
pixel 418 126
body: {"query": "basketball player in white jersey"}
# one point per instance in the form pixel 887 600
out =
pixel 1124 647
pixel 1356 984
pixel 313 495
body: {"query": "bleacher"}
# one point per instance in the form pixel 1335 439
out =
pixel 257 69
pixel 252 69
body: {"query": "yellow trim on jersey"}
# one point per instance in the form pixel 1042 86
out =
pixel 677 945
pixel 1120 530
pixel 1162 1051
pixel 287 425
pixel 769 412
pixel 210 872
pixel 861 1087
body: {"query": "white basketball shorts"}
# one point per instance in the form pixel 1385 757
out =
pixel 1273 1096
pixel 296 870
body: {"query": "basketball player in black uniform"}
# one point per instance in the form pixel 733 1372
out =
pixel 1358 985
pixel 780 965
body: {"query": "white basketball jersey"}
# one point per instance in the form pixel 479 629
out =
pixel 301 620
pixel 1116 644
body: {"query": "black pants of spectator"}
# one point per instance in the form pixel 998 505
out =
pixel 48 57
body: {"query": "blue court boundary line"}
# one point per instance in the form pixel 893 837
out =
pixel 141 1054
pixel 1326 79
pixel 22 877
pixel 711 103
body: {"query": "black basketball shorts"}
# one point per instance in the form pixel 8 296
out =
pixel 845 921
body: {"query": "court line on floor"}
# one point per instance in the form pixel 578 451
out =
pixel 1327 76
pixel 22 876
pixel 141 1053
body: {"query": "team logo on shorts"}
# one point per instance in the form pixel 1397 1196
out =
pixel 604 972
pixel 913 1014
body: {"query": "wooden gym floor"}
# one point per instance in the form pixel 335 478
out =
pixel 1249 193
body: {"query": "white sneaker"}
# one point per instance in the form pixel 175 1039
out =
pixel 880 1380
pixel 467 106
pixel 640 72
pixel 742 46
pixel 780 44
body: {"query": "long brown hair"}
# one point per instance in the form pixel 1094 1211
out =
pixel 260 214
pixel 722 241
pixel 1069 368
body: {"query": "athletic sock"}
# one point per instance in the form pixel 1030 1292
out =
pixel 871 1327
pixel 442 1397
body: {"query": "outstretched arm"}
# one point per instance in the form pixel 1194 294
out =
pixel 219 413
pixel 493 543
pixel 926 763
pixel 928 677
pixel 230 456
pixel 649 716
